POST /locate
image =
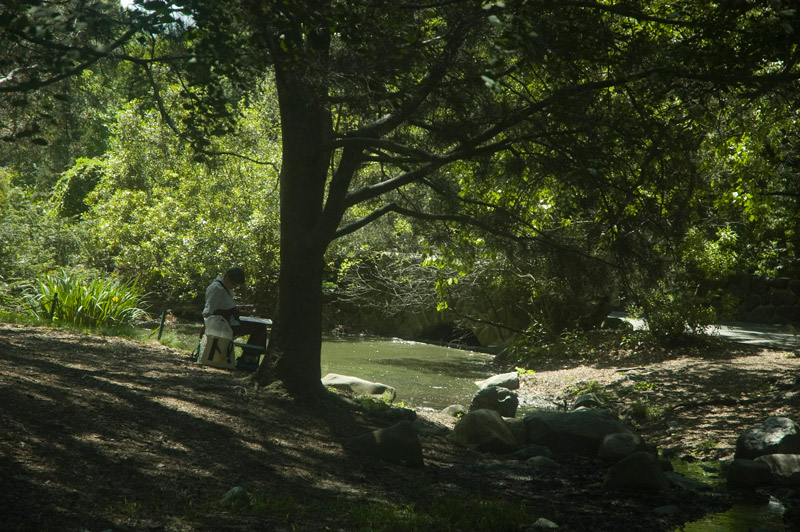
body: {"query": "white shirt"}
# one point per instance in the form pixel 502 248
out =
pixel 218 297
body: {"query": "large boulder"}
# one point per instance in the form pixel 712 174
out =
pixel 517 427
pixel 398 444
pixel 638 471
pixel 485 431
pixel 785 468
pixel 506 380
pixel 578 432
pixel 501 400
pixel 359 386
pixel 614 447
pixel 776 435
pixel 746 473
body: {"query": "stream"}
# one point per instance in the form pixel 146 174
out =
pixel 424 375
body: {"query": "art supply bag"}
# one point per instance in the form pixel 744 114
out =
pixel 216 345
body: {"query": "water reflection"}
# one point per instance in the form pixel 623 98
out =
pixel 454 368
pixel 424 375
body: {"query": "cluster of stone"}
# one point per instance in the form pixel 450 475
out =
pixel 768 300
pixel 767 454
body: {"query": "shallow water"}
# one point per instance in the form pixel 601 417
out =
pixel 739 518
pixel 424 375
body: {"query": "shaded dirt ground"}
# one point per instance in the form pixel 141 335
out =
pixel 690 401
pixel 101 433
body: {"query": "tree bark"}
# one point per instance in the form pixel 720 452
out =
pixel 294 351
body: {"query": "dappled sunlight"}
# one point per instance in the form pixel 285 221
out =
pixel 77 366
pixel 152 433
pixel 706 403
pixel 124 384
pixel 188 407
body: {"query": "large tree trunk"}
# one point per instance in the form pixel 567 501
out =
pixel 295 345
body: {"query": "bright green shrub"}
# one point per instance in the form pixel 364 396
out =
pixel 173 222
pixel 85 300
pixel 75 184
pixel 32 242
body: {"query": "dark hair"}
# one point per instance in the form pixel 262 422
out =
pixel 236 275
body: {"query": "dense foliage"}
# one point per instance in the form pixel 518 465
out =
pixel 550 159
pixel 175 222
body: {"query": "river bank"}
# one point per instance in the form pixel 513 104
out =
pixel 105 433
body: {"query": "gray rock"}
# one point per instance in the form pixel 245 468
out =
pixel 399 414
pixel 237 497
pixel 455 410
pixel 509 381
pixel 542 462
pixel 687 483
pixel 517 428
pixel 587 400
pixel 398 444
pixel 485 431
pixel 618 445
pixel 745 473
pixel 501 400
pixel 533 450
pixel 544 524
pixel 615 324
pixel 577 432
pixel 359 386
pixel 638 471
pixel 785 468
pixel 776 435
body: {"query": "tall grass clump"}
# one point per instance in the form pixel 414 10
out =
pixel 85 300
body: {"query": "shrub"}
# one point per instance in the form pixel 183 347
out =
pixel 674 315
pixel 84 300
pixel 32 243
pixel 75 184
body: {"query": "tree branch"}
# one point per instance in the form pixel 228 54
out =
pixel 376 144
pixel 430 217
pixel 472 147
pixel 174 127
pixel 38 84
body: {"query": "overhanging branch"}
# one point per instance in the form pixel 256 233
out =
pixel 471 221
pixel 430 217
pixel 34 84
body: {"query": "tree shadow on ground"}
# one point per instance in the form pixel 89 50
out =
pixel 106 433
pixel 606 349
pixel 95 429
